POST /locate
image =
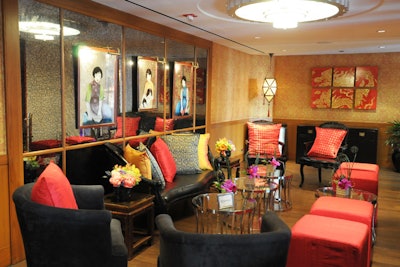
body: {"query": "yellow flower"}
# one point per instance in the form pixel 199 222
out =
pixel 223 145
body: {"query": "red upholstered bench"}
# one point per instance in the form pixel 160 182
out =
pixel 320 241
pixel 348 209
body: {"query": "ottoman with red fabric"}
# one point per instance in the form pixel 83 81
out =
pixel 363 175
pixel 348 209
pixel 320 241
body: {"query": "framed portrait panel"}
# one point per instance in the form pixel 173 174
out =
pixel 182 89
pixel 147 83
pixel 97 85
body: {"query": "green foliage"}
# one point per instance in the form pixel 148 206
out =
pixel 393 134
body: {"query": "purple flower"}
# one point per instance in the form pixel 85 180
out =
pixel 228 186
pixel 344 183
pixel 253 171
pixel 274 162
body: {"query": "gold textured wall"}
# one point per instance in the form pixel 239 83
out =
pixel 293 74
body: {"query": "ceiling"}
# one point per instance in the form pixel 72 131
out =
pixel 354 32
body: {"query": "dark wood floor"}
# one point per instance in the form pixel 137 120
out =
pixel 386 251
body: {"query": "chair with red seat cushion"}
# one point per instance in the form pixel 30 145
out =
pixel 324 151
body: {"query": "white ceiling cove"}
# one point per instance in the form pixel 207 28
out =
pixel 357 31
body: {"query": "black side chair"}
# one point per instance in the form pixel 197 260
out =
pixel 181 249
pixel 321 162
pixel 67 237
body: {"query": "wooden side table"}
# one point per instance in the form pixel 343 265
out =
pixel 137 219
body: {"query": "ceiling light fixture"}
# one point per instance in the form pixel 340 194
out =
pixel 286 14
pixel 45 30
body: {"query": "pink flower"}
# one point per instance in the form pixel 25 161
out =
pixel 275 162
pixel 228 186
pixel 253 171
pixel 344 183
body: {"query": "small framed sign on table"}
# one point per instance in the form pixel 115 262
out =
pixel 225 200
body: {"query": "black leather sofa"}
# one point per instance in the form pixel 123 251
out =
pixel 184 186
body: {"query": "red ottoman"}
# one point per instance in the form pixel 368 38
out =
pixel 364 175
pixel 348 209
pixel 320 241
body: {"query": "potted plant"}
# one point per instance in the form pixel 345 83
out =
pixel 393 140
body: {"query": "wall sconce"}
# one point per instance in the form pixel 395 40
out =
pixel 269 86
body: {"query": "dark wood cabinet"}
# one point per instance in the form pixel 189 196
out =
pixel 366 139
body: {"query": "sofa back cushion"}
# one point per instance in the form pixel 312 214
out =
pixel 164 158
pixel 140 159
pixel 184 150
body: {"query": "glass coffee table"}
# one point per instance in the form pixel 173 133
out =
pixel 224 213
pixel 354 194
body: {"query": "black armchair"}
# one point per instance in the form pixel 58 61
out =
pixel 67 237
pixel 320 161
pixel 268 248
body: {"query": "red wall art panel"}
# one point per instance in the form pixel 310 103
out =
pixel 343 76
pixel 342 98
pixel 365 99
pixel 367 77
pixel 321 98
pixel 321 77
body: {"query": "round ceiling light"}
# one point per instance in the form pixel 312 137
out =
pixel 284 14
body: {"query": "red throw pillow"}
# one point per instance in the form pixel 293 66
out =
pixel 73 140
pixel 53 189
pixel 131 126
pixel 264 139
pixel 327 142
pixel 159 125
pixel 164 158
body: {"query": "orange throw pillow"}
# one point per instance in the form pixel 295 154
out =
pixel 264 139
pixel 159 125
pixel 139 159
pixel 327 142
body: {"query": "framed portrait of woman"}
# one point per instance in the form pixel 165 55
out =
pixel 96 82
pixel 182 89
pixel 147 83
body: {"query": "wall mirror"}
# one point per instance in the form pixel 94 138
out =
pixel 40 76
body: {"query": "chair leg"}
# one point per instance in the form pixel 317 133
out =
pixel 302 174
pixel 319 175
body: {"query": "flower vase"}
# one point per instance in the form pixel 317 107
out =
pixel 225 158
pixel 343 192
pixel 122 194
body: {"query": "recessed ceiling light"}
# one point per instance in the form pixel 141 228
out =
pixel 382 46
pixel 257 37
pixel 381 31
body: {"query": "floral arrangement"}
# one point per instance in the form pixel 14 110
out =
pixel 226 187
pixel 343 179
pixel 252 171
pixel 127 176
pixel 223 145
